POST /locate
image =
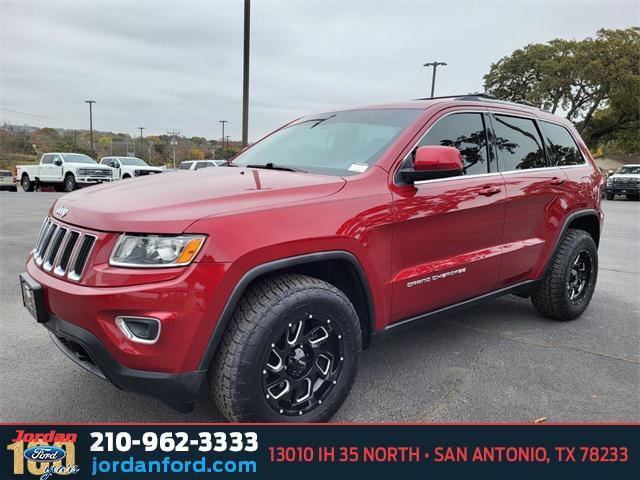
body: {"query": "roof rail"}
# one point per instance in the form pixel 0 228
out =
pixel 479 96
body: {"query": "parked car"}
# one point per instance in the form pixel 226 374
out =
pixel 198 164
pixel 129 167
pixel 269 277
pixel 626 181
pixel 63 171
pixel 7 182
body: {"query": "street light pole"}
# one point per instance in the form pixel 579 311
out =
pixel 245 73
pixel 90 102
pixel 141 150
pixel 435 65
pixel 223 122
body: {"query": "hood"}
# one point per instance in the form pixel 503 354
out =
pixel 170 202
pixel 625 175
pixel 88 165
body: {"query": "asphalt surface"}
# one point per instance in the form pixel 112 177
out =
pixel 497 362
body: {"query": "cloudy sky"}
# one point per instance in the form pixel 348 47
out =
pixel 178 64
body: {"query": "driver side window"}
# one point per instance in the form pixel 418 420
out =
pixel 466 132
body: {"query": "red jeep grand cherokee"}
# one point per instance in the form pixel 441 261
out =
pixel 268 278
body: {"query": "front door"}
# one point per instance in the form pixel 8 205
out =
pixel 446 246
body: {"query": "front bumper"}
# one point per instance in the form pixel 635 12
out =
pixel 91 180
pixel 623 189
pixel 178 390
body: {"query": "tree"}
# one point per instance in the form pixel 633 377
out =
pixel 106 142
pixel 196 154
pixel 594 82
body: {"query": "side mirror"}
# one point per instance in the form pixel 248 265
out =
pixel 113 164
pixel 57 162
pixel 433 161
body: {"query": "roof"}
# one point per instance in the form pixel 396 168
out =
pixel 424 103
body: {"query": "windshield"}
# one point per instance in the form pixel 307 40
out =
pixel 629 169
pixel 342 143
pixel 4 173
pixel 185 165
pixel 77 158
pixel 132 161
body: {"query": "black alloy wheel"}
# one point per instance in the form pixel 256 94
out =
pixel 303 364
pixel 579 276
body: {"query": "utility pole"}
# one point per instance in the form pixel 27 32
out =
pixel 174 142
pixel 222 122
pixel 75 138
pixel 90 102
pixel 245 73
pixel 227 139
pixel 141 150
pixel 435 65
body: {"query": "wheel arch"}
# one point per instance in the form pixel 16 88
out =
pixel 340 268
pixel 587 220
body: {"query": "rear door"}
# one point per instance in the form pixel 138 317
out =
pixel 446 245
pixel 536 195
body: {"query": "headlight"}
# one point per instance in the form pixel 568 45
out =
pixel 155 251
pixel 609 180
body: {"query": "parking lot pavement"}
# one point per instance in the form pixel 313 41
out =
pixel 497 362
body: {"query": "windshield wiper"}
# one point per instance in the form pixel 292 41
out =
pixel 273 166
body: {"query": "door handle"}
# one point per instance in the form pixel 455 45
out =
pixel 488 191
pixel 556 181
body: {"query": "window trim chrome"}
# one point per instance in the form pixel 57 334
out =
pixel 488 110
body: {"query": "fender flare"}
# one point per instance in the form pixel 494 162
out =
pixel 570 218
pixel 272 266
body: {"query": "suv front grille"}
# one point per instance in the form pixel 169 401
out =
pixel 63 250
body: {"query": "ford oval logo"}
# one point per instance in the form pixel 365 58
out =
pixel 44 454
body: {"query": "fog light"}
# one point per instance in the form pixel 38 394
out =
pixel 140 329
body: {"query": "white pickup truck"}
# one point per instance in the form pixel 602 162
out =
pixel 129 167
pixel 64 171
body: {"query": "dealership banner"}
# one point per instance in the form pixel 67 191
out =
pixel 184 451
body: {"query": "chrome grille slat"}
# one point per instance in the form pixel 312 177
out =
pixel 43 234
pixel 43 227
pixel 62 262
pixel 54 249
pixel 42 251
pixel 63 251
pixel 84 250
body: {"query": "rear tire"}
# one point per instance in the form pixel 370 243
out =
pixel 289 354
pixel 26 183
pixel 609 196
pixel 567 287
pixel 70 183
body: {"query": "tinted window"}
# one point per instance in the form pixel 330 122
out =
pixel 560 145
pixel 47 159
pixel 465 131
pixel 200 165
pixel 185 166
pixel 4 173
pixel 518 143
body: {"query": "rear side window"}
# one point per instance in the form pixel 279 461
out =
pixel 185 166
pixel 561 146
pixel 518 143
pixel 200 165
pixel 465 131
pixel 47 159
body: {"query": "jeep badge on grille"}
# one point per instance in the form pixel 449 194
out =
pixel 61 211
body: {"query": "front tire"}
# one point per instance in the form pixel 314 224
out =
pixel 70 183
pixel 26 183
pixel 567 287
pixel 289 354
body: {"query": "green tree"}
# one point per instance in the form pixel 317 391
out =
pixel 594 82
